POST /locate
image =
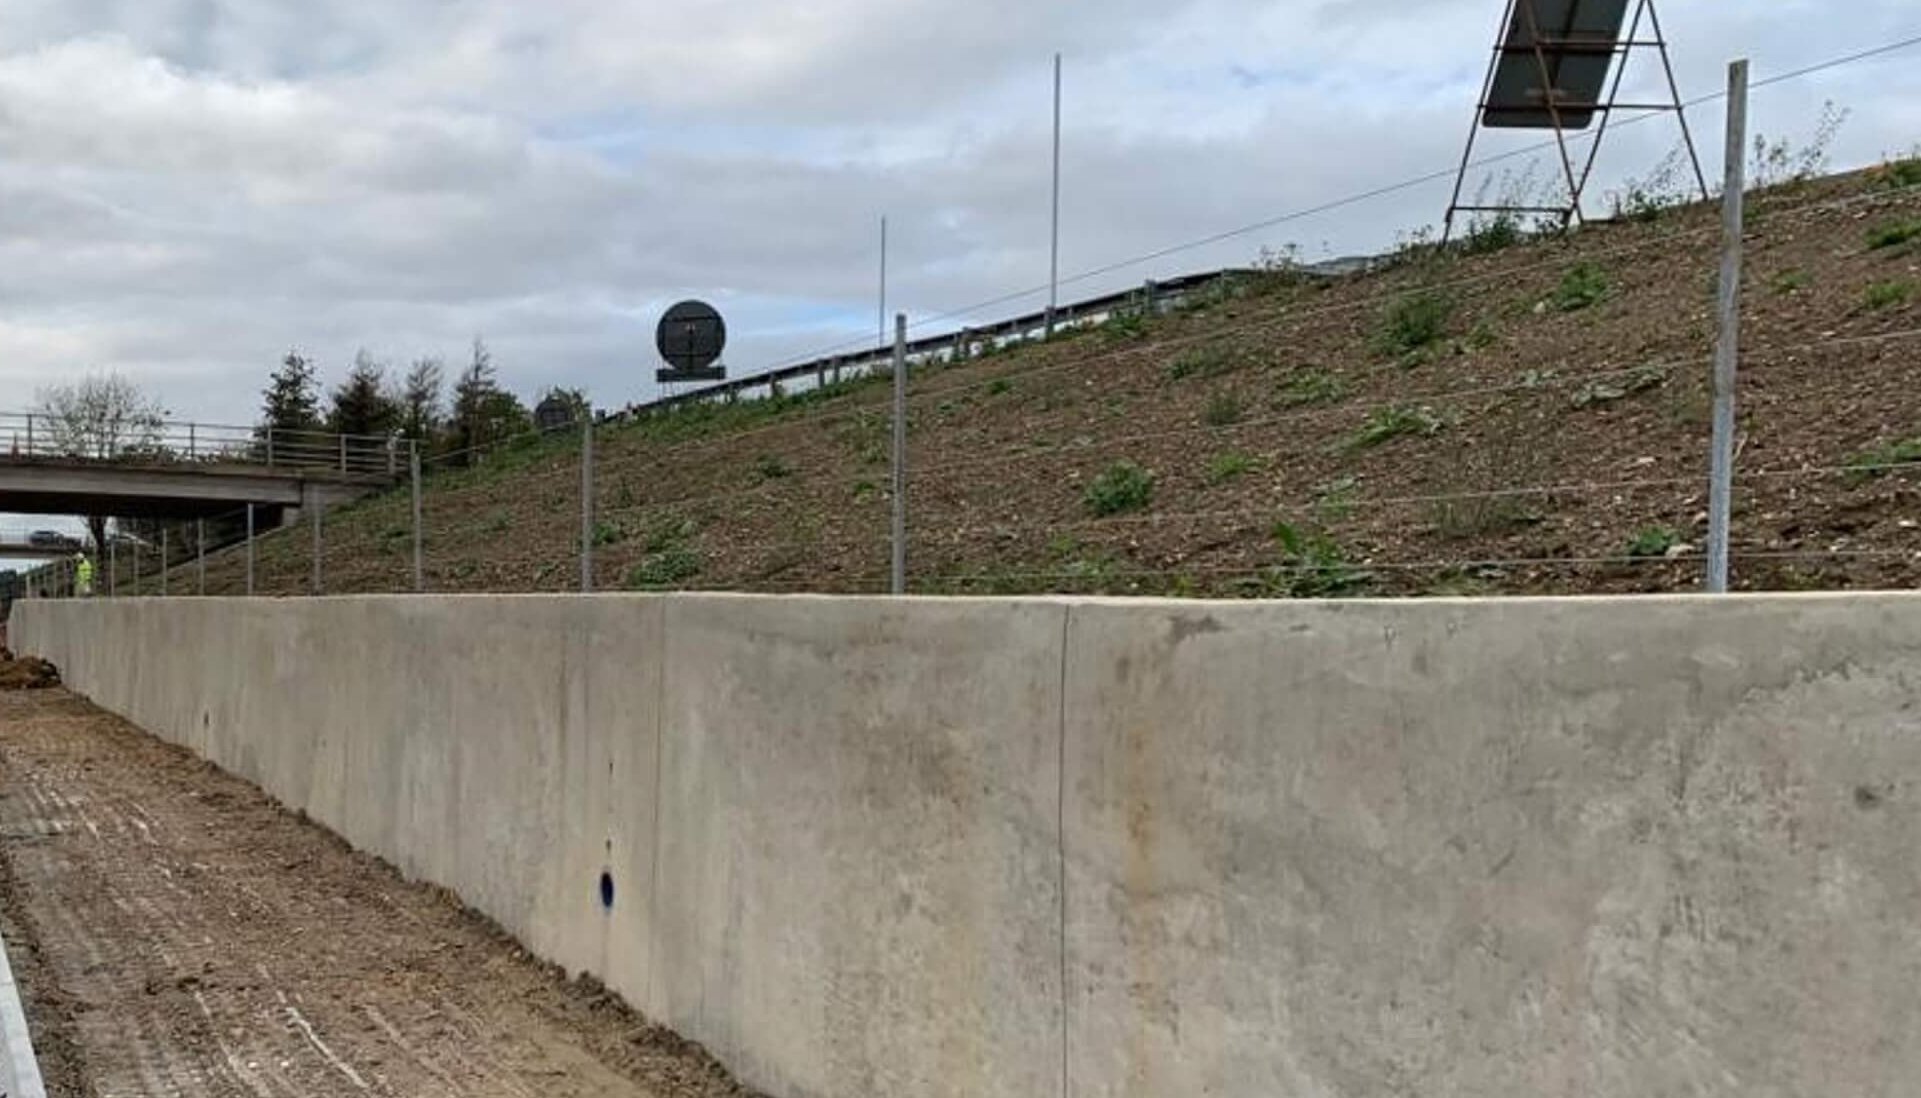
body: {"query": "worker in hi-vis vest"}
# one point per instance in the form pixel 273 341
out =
pixel 82 576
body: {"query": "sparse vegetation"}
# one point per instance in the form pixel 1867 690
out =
pixel 1894 233
pixel 1778 162
pixel 668 559
pixel 1120 488
pixel 1639 380
pixel 1653 541
pixel 1485 483
pixel 1883 459
pixel 1222 468
pixel 1584 285
pixel 1223 410
pixel 1313 565
pixel 866 434
pixel 1493 230
pixel 1209 361
pixel 1666 187
pixel 1311 386
pixel 1391 422
pixel 1414 322
pixel 1337 499
pixel 1315 380
pixel 1456 583
pixel 1886 295
pixel 1125 325
pixel 1493 234
pixel 1901 172
pixel 1791 281
pixel 668 568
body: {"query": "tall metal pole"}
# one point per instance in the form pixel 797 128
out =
pixel 136 567
pixel 113 566
pixel 420 569
pixel 163 562
pixel 1474 128
pixel 313 508
pixel 1054 260
pixel 883 282
pixel 899 585
pixel 587 503
pixel 1674 89
pixel 200 555
pixel 249 550
pixel 1727 350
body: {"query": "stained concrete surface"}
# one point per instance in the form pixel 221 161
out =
pixel 1609 847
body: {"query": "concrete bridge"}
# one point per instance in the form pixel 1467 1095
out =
pixel 181 470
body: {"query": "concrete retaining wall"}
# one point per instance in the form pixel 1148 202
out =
pixel 868 848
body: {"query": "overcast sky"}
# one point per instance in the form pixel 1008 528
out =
pixel 188 188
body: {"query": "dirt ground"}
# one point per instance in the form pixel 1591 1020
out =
pixel 1550 437
pixel 26 673
pixel 176 933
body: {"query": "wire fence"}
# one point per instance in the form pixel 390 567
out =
pixel 1533 419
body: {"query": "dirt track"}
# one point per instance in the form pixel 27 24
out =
pixel 178 934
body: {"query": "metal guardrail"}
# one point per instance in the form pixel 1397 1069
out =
pixel 961 345
pixel 171 442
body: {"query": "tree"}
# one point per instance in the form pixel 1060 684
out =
pixel 420 400
pixel 575 401
pixel 292 396
pixel 102 417
pixel 484 413
pixel 362 405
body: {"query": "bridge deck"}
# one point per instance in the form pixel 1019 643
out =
pixel 54 486
pixel 175 933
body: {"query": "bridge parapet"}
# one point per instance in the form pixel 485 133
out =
pixel 146 441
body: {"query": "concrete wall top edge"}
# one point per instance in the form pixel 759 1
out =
pixel 1803 598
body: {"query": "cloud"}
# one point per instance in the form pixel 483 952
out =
pixel 189 187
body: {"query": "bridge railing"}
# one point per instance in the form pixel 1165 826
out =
pixel 167 442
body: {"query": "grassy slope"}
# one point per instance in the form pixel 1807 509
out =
pixel 1281 402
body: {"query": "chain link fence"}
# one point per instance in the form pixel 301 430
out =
pixel 1531 418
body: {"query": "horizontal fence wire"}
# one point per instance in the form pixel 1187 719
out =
pixel 682 432
pixel 1439 174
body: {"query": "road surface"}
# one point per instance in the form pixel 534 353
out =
pixel 176 933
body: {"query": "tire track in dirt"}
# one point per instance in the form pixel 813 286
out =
pixel 215 945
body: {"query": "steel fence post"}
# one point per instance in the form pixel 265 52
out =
pixel 420 571
pixel 200 555
pixel 1054 245
pixel 313 506
pixel 163 562
pixel 1727 349
pixel 250 550
pixel 587 502
pixel 899 570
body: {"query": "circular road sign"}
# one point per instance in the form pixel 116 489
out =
pixel 691 336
